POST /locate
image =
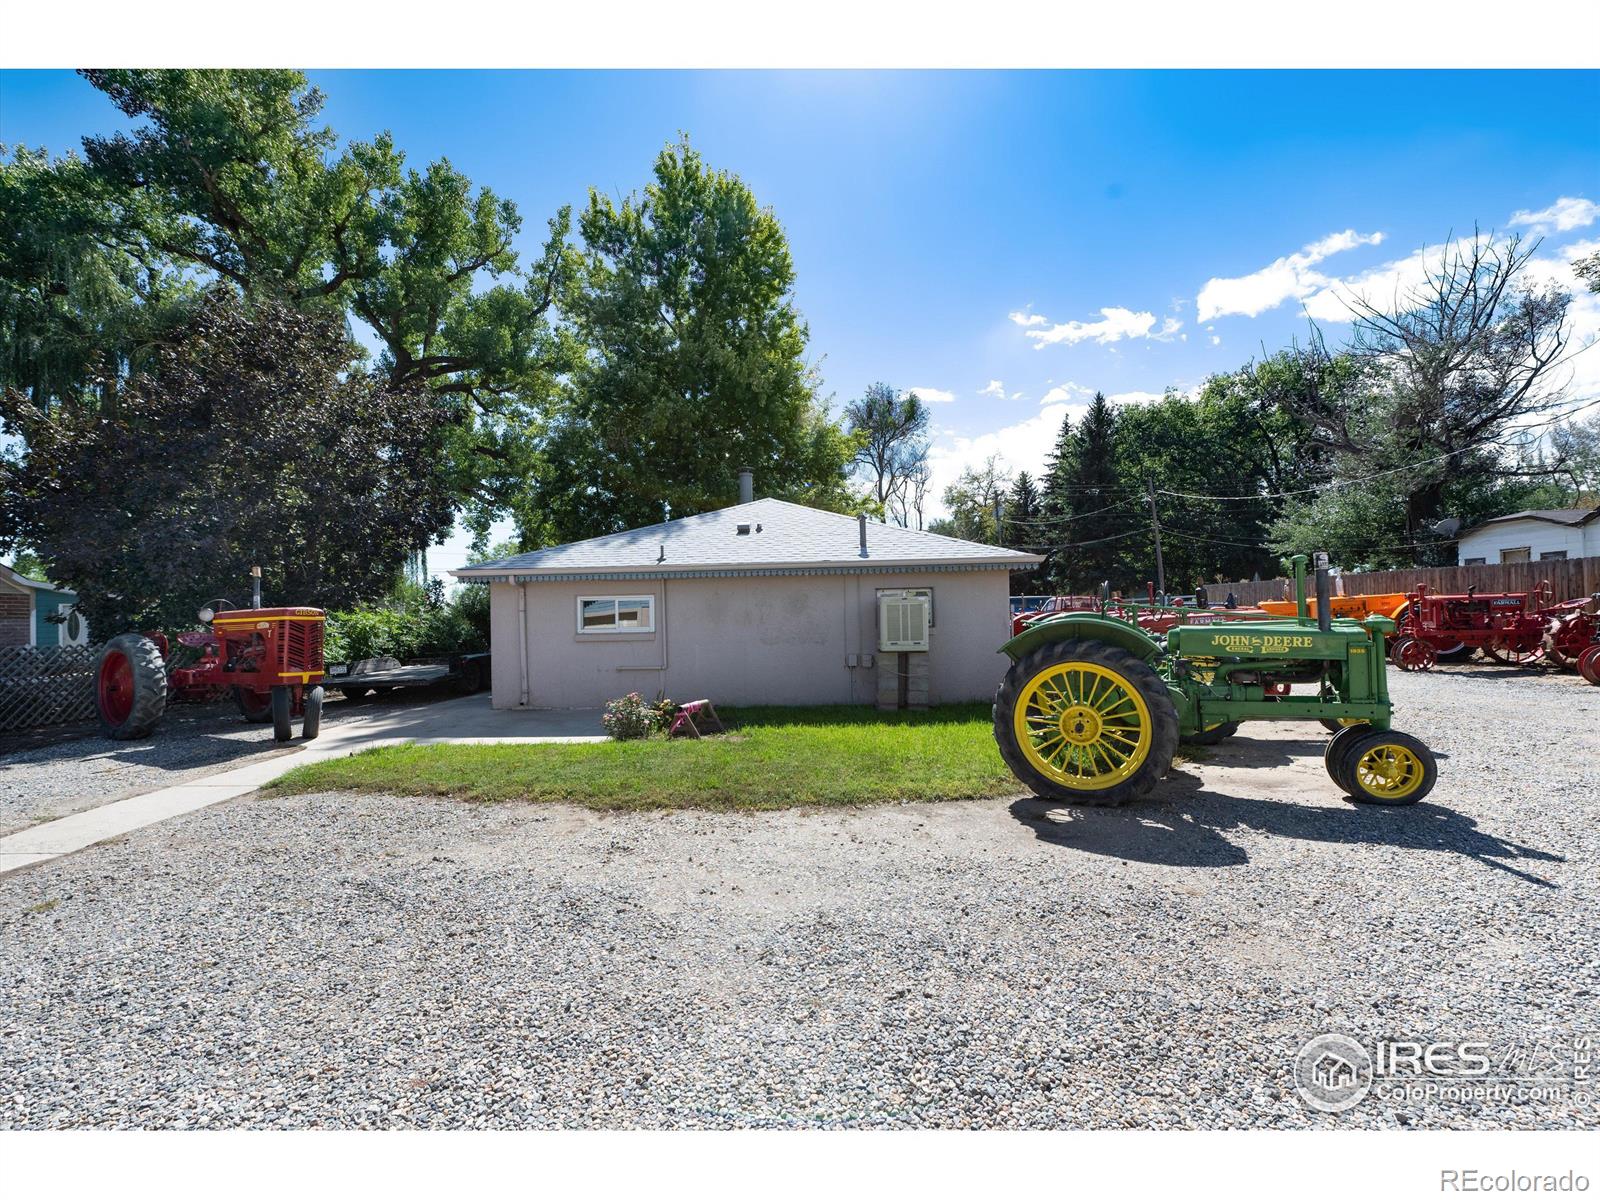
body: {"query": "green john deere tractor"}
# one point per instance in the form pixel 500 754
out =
pixel 1093 707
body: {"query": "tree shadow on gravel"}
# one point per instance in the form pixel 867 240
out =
pixel 1183 824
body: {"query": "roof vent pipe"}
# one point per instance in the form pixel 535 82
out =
pixel 747 485
pixel 861 520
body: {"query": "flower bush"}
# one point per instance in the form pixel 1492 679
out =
pixel 633 716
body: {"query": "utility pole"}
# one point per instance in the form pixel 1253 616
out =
pixel 1155 528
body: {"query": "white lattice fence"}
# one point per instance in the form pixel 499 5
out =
pixel 48 685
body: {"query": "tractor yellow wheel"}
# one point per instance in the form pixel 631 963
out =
pixel 1334 725
pixel 1387 768
pixel 1085 722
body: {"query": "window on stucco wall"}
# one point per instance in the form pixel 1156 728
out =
pixel 616 614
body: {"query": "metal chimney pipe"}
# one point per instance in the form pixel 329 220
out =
pixel 861 521
pixel 747 485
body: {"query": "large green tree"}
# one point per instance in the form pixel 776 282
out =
pixel 227 177
pixel 695 364
pixel 890 428
pixel 252 437
pixel 1425 414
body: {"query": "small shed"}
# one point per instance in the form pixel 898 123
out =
pixel 27 607
pixel 1533 535
pixel 764 602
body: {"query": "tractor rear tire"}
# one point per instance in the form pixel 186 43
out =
pixel 255 707
pixel 130 687
pixel 1107 748
pixel 282 705
pixel 1333 754
pixel 311 725
pixel 1589 664
pixel 1210 737
pixel 1386 767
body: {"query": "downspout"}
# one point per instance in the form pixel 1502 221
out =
pixel 522 641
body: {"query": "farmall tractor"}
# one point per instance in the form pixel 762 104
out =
pixel 269 658
pixel 1093 707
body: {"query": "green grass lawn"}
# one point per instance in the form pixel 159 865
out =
pixel 771 758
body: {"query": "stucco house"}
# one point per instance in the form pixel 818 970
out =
pixel 26 606
pixel 1543 533
pixel 764 602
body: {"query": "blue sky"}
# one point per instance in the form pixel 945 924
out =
pixel 1145 228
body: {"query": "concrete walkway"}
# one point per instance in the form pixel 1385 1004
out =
pixel 468 721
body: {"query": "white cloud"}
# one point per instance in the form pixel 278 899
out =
pixel 994 388
pixel 1569 212
pixel 1289 277
pixel 1215 340
pixel 1067 393
pixel 1114 325
pixel 1577 250
pixel 1020 447
pixel 1025 319
pixel 1135 397
pixel 933 395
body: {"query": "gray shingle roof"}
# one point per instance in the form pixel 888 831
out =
pixel 782 535
pixel 1556 516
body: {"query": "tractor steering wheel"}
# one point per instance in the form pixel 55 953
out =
pixel 1545 592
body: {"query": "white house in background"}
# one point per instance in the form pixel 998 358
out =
pixel 1540 533
pixel 764 602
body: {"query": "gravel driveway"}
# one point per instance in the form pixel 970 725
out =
pixel 75 771
pixel 373 961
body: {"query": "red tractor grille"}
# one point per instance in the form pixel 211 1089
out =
pixel 300 648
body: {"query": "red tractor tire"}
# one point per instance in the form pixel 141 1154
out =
pixel 255 707
pixel 1414 654
pixel 1589 664
pixel 130 687
pixel 1511 654
pixel 282 708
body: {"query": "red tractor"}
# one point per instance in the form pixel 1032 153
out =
pixel 269 658
pixel 1574 630
pixel 1508 627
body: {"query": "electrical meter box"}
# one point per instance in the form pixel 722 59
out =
pixel 902 621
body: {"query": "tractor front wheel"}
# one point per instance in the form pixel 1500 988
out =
pixel 311 725
pixel 130 687
pixel 1210 737
pixel 1338 726
pixel 1333 754
pixel 1083 722
pixel 1414 654
pixel 1386 768
pixel 282 706
pixel 1589 664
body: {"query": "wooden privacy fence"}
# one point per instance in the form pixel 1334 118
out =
pixel 48 685
pixel 1570 579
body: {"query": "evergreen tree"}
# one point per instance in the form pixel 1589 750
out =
pixel 1022 529
pixel 1054 504
pixel 1096 502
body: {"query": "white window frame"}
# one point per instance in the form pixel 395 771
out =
pixel 1525 551
pixel 646 599
pixel 1552 556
